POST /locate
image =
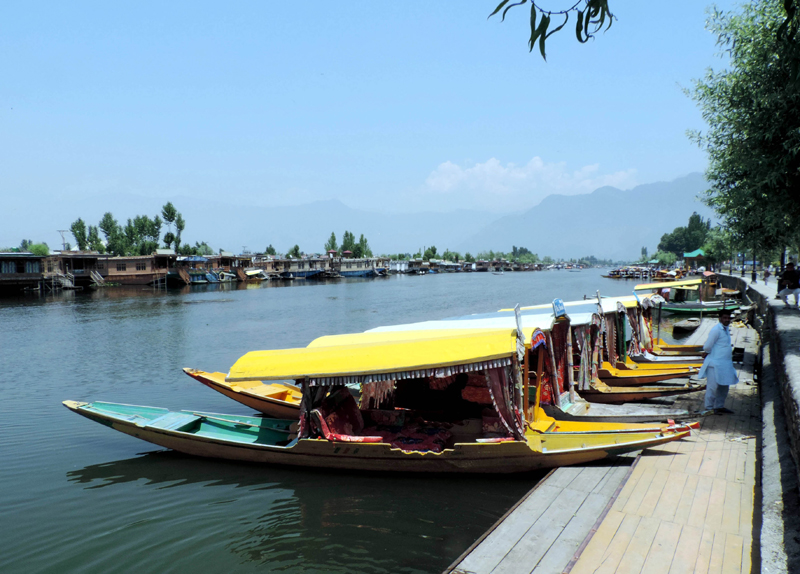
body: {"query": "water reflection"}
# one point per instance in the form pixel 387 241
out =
pixel 303 519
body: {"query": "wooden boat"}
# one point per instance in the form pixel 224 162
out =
pixel 599 393
pixel 686 326
pixel 279 400
pixel 647 358
pixel 405 428
pixel 698 307
pixel 620 376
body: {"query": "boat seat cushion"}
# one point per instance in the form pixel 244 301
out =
pixel 173 421
pixel 339 419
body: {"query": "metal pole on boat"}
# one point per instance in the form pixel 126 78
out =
pixel 658 329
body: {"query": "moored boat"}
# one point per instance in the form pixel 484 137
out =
pixel 279 400
pixel 456 403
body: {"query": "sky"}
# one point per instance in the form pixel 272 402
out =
pixel 386 106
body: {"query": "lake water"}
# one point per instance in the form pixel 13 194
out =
pixel 79 497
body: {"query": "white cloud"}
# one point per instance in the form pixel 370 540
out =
pixel 483 185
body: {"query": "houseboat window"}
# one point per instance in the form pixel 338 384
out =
pixel 122 267
pixel 49 266
pixel 100 266
pixel 141 266
pixel 8 267
pixel 33 267
pixel 301 265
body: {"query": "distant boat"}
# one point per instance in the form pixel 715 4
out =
pixel 497 272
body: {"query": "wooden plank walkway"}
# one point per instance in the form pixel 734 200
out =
pixel 688 505
pixel 682 507
pixel 543 532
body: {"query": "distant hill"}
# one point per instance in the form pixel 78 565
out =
pixel 608 223
pixel 232 227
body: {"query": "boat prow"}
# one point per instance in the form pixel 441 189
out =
pixel 278 400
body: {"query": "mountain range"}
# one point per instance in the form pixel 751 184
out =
pixel 608 223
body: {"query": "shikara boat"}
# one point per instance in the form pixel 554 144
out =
pixel 624 376
pixel 618 395
pixel 279 399
pixel 442 404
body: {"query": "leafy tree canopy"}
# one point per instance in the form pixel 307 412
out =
pixel 590 15
pixel 78 229
pixel 685 239
pixel 270 250
pixel 331 244
pixel 294 252
pixel 753 112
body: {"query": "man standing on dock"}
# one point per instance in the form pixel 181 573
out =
pixel 717 367
pixel 790 279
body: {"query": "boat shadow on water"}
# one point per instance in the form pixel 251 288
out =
pixel 335 520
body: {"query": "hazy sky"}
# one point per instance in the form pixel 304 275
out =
pixel 384 105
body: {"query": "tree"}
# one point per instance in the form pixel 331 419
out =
pixel 665 258
pixel 40 249
pixel 591 16
pixel 270 250
pixel 203 249
pixel 78 229
pixel 180 224
pixel 362 247
pixel 644 253
pixel 169 213
pixel 468 257
pixel 718 246
pixel 685 239
pixel 331 244
pixel 348 242
pixel 294 252
pixel 753 112
pixel 430 253
pixel 94 240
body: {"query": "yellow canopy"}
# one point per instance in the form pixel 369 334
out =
pixel 371 337
pixel 400 358
pixel 668 284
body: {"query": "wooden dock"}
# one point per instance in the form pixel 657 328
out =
pixel 682 507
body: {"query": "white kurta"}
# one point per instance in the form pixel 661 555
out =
pixel 720 357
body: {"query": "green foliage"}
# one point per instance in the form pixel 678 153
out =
pixel 430 253
pixel 453 256
pixel 665 258
pixel 685 239
pixel 362 247
pixel 718 245
pixel 547 260
pixel 270 250
pixel 294 252
pixel 644 255
pixel 78 229
pixel 331 244
pixel 203 249
pixel 753 112
pixel 180 224
pixel 169 214
pixel 93 239
pixel 590 20
pixel 348 242
pixel 468 257
pixel 40 249
pixel 25 244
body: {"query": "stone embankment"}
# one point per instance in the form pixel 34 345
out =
pixel 779 386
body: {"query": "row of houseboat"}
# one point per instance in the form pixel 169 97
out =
pixel 78 270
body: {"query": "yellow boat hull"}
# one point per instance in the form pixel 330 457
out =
pixel 278 400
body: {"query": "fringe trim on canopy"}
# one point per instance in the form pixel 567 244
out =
pixel 399 376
